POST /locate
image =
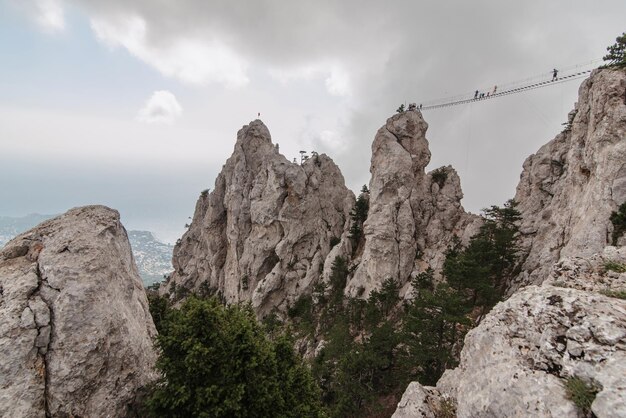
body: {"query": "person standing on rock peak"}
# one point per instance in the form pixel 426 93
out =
pixel 476 95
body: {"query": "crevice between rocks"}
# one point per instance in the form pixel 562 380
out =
pixel 42 352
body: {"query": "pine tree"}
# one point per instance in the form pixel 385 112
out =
pixel 434 324
pixel 617 52
pixel 217 361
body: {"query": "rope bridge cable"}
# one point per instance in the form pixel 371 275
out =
pixel 503 86
pixel 516 90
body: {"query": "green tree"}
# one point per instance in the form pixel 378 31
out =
pixel 217 361
pixel 159 307
pixel 401 108
pixel 482 268
pixel 617 52
pixel 338 279
pixel 434 324
pixel 618 219
pixel 359 215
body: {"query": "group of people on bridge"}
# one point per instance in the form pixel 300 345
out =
pixel 481 95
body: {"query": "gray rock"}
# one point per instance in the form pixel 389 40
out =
pixel 516 361
pixel 419 401
pixel 264 232
pixel 75 330
pixel 569 188
pixel 413 216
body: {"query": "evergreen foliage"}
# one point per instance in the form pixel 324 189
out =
pixel 435 323
pixel 618 219
pixel 217 361
pixel 617 52
pixel 439 176
pixel 481 270
pixel 400 109
pixel 359 215
pixel 159 307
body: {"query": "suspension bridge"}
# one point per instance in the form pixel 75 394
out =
pixel 542 80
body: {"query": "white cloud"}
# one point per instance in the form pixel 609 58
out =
pixel 332 141
pixel 338 82
pixel 192 61
pixel 49 15
pixel 337 79
pixel 161 107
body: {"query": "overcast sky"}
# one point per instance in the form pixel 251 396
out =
pixel 135 104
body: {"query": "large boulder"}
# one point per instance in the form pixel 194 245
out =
pixel 75 329
pixel 517 361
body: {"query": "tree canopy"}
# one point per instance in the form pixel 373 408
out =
pixel 617 52
pixel 218 361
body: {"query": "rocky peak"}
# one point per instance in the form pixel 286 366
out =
pixel 75 330
pixel 413 216
pixel 569 188
pixel 264 232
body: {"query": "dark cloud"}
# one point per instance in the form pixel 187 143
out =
pixel 373 56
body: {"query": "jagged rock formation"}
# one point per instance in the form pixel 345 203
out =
pixel 569 188
pixel 75 330
pixel 413 216
pixel 516 361
pixel 264 232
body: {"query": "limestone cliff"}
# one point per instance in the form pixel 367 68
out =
pixel 265 230
pixel 569 188
pixel 413 215
pixel 75 330
pixel 516 361
pixel 264 233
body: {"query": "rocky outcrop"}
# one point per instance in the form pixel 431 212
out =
pixel 423 402
pixel 264 232
pixel 75 330
pixel 413 216
pixel 569 188
pixel 516 362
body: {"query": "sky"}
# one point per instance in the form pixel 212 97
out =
pixel 135 104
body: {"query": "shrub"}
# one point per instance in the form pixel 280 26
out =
pixel 334 241
pixel 439 176
pixel 614 266
pixel 581 393
pixel 618 219
pixel 618 294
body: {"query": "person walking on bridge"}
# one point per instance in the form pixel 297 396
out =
pixel 554 74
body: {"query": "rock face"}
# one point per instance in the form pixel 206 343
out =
pixel 264 232
pixel 516 361
pixel 569 188
pixel 75 330
pixel 413 216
